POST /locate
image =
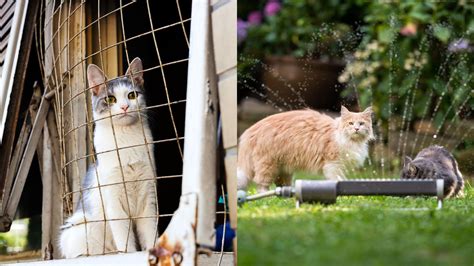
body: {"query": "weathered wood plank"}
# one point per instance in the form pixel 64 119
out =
pixel 74 110
pixel 15 162
pixel 17 91
pixel 224 16
pixel 52 201
pixel 47 180
pixel 199 162
pixel 27 158
pixel 21 142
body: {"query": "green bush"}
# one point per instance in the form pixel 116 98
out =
pixel 412 59
pixel 314 28
pixel 415 60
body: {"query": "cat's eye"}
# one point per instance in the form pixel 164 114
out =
pixel 132 95
pixel 110 100
pixel 361 123
pixel 351 123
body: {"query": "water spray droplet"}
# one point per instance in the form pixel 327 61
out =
pixel 434 136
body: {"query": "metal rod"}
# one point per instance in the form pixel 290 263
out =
pixel 387 188
pixel 261 195
pixel 327 191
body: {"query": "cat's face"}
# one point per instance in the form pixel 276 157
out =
pixel 120 98
pixel 357 126
pixel 417 169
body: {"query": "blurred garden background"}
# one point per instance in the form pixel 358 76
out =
pixel 413 62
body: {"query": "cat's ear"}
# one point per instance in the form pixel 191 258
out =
pixel 367 113
pixel 96 78
pixel 135 70
pixel 344 110
pixel 409 166
pixel 407 161
pixel 368 110
pixel 412 169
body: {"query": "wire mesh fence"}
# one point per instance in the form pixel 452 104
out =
pixel 72 35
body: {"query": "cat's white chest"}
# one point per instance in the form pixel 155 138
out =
pixel 124 151
pixel 352 153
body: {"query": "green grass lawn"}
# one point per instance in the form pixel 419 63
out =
pixel 358 231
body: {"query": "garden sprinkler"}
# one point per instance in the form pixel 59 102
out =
pixel 327 191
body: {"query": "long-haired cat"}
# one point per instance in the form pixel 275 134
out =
pixel 273 148
pixel 435 162
pixel 120 136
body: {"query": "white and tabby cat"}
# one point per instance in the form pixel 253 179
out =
pixel 121 155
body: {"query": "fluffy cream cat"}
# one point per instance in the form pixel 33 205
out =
pixel 275 147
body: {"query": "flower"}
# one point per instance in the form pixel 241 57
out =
pixel 254 18
pixel 373 46
pixel 368 81
pixel 415 59
pixel 409 29
pixel 344 77
pixel 458 45
pixel 241 30
pixel 408 65
pixel 356 68
pixel 271 8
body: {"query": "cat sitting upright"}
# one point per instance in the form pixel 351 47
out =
pixel 435 162
pixel 275 147
pixel 121 131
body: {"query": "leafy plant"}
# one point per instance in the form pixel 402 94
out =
pixel 300 28
pixel 415 60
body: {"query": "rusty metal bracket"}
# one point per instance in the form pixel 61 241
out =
pixel 177 245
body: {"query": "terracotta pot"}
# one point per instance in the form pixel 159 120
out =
pixel 299 82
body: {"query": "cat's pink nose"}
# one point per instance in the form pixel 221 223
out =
pixel 124 107
pixel 356 129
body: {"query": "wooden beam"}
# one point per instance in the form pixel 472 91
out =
pixel 54 137
pixel 6 149
pixel 200 147
pixel 47 180
pixel 52 201
pixel 12 203
pixel 74 114
pixel 21 144
pixel 224 38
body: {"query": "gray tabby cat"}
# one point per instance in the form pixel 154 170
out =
pixel 435 162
